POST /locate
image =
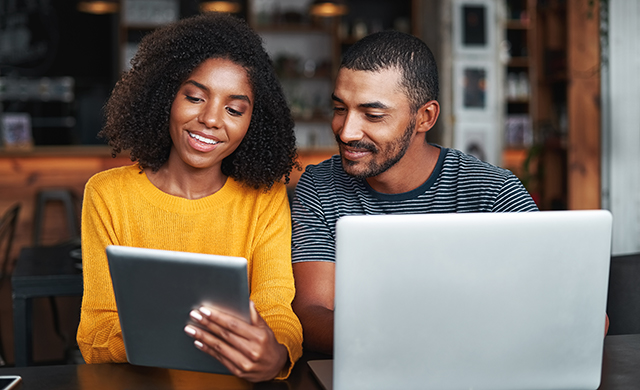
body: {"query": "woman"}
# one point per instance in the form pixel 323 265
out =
pixel 204 117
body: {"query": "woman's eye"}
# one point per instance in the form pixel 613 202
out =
pixel 234 112
pixel 193 99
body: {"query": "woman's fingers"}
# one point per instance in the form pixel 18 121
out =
pixel 223 352
pixel 249 351
pixel 224 327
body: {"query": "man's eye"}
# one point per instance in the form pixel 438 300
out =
pixel 374 117
pixel 339 110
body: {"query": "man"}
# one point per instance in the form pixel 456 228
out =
pixel 384 104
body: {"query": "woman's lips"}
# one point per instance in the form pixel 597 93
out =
pixel 202 143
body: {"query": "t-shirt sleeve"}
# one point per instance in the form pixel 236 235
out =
pixel 514 197
pixel 313 239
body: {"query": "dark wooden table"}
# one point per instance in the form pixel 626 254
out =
pixel 621 370
pixel 621 362
pixel 41 271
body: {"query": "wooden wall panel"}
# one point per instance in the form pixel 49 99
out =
pixel 583 105
pixel 23 175
pixel 309 157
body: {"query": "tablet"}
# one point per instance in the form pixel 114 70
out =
pixel 156 289
pixel 10 382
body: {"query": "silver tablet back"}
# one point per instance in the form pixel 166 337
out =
pixel 156 289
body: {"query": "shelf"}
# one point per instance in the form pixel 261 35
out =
pixel 555 78
pixel 518 62
pixel 142 26
pixel 516 24
pixel 62 151
pixel 321 150
pixel 349 40
pixel 312 119
pixel 518 131
pixel 293 78
pixel 518 101
pixel 292 28
pixel 296 41
pixel 513 159
pixel 516 152
pixel 62 121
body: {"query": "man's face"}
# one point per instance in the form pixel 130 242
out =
pixel 372 121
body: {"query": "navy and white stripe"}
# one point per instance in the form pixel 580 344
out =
pixel 460 183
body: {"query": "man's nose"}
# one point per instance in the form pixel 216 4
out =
pixel 348 128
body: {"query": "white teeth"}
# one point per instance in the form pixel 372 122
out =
pixel 203 139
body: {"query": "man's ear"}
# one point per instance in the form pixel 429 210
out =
pixel 427 116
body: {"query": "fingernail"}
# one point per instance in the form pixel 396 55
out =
pixel 190 329
pixel 196 315
pixel 205 311
pixel 198 344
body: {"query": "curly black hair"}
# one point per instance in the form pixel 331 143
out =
pixel 137 112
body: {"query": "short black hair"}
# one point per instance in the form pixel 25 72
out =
pixel 137 112
pixel 393 49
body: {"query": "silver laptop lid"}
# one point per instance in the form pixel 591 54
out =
pixel 156 289
pixel 471 301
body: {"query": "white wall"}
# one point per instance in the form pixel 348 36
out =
pixel 477 127
pixel 621 125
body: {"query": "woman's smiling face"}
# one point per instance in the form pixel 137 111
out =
pixel 210 114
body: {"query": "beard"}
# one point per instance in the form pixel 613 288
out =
pixel 390 154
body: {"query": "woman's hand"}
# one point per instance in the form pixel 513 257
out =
pixel 249 351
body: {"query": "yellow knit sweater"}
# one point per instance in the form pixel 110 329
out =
pixel 122 207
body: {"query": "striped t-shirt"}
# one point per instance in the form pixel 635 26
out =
pixel 460 183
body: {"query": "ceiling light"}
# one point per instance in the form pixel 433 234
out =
pixel 98 7
pixel 231 7
pixel 329 8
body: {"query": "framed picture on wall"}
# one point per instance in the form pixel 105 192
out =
pixel 476 139
pixel 16 130
pixel 474 88
pixel 474 26
pixel 474 92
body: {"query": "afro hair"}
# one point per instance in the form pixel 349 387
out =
pixel 137 112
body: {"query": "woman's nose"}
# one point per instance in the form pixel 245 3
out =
pixel 210 115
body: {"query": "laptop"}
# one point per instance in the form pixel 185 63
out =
pixel 470 301
pixel 156 289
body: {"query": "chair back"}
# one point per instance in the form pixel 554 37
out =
pixel 69 202
pixel 8 225
pixel 623 302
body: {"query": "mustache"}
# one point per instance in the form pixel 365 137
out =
pixel 357 145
